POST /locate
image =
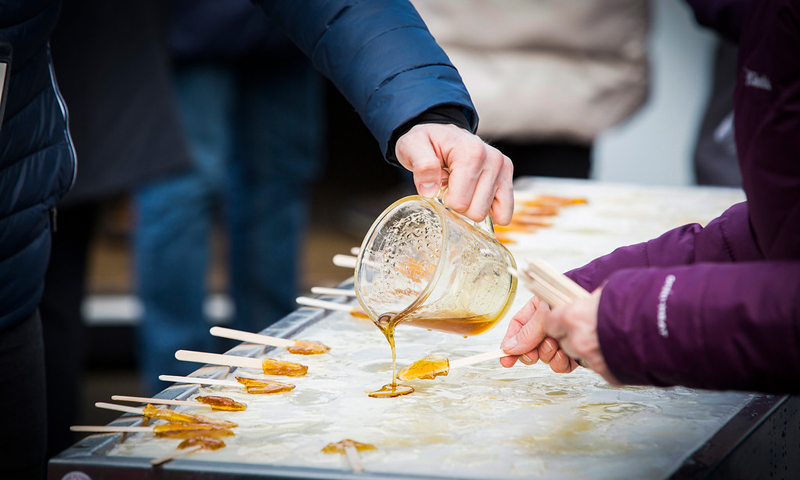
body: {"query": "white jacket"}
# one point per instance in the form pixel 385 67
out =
pixel 545 69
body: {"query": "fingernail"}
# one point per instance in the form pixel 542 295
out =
pixel 546 347
pixel 509 343
pixel 526 359
pixel 428 189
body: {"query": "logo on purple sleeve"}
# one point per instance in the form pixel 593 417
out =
pixel 662 305
pixel 757 80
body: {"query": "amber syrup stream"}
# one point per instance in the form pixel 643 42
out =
pixel 387 323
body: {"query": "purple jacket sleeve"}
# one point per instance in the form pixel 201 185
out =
pixel 699 307
pixel 725 239
pixel 711 326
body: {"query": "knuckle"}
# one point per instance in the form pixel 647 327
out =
pixel 457 203
pixel 475 150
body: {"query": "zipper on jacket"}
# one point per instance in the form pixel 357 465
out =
pixel 53 219
pixel 65 113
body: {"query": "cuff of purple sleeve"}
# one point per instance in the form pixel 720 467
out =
pixel 615 339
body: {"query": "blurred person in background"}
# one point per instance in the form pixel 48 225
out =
pixel 546 76
pixel 715 161
pixel 113 71
pixel 252 108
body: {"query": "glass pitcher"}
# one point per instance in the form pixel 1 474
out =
pixel 426 266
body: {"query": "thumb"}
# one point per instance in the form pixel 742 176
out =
pixel 415 151
pixel 427 175
pixel 530 335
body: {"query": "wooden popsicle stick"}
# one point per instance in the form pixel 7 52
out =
pixel 341 307
pixel 109 429
pixel 544 291
pixel 554 277
pixel 353 458
pixel 199 380
pixel 346 261
pixel 219 359
pixel 158 401
pixel 251 337
pixel 333 291
pixel 174 455
pixel 313 302
pixel 120 408
pixel 473 359
pixel 548 290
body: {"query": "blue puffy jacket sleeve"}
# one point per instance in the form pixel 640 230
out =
pixel 379 54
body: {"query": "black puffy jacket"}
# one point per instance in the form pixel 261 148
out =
pixel 37 162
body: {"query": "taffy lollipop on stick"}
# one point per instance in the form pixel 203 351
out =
pixel 267 365
pixel 217 402
pixel 350 448
pixel 157 401
pixel 299 347
pixel 149 411
pixel 162 430
pixel 251 385
pixel 433 366
pixel 213 402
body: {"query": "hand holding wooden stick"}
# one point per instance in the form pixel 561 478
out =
pixel 551 286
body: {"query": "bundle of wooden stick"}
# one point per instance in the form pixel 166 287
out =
pixel 547 283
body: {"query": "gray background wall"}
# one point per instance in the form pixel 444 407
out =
pixel 655 146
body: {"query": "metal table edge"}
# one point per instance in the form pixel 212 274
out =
pixel 703 461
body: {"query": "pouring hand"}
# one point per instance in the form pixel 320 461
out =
pixel 574 327
pixel 480 176
pixel 526 339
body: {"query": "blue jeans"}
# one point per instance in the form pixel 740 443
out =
pixel 255 139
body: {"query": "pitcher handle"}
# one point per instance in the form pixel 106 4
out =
pixel 486 225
